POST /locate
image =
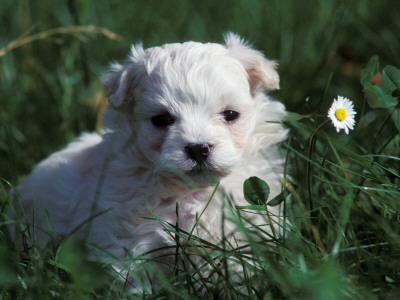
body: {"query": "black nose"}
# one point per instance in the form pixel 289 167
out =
pixel 198 151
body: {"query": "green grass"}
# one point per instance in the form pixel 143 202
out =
pixel 346 247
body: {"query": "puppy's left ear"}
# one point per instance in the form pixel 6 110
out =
pixel 118 82
pixel 261 72
pixel 122 80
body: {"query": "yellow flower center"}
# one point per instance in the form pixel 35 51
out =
pixel 340 114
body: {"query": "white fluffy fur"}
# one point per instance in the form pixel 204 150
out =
pixel 136 170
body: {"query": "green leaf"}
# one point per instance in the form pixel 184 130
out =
pixel 389 280
pixel 390 79
pixel 396 93
pixel 72 253
pixel 370 70
pixel 396 118
pixel 85 274
pixel 377 96
pixel 277 200
pixel 393 74
pixel 256 191
pixel 386 95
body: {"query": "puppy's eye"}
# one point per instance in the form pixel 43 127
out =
pixel 230 115
pixel 162 121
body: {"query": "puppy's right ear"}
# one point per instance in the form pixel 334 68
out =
pixel 122 80
pixel 261 71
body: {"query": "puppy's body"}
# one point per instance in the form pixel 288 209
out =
pixel 183 117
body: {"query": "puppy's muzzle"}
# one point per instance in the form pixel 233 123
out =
pixel 199 152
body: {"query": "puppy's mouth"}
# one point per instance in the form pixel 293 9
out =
pixel 204 174
pixel 203 169
pixel 195 173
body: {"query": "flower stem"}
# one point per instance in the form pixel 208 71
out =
pixel 308 171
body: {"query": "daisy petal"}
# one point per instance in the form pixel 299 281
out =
pixel 347 118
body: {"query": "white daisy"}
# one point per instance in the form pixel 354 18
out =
pixel 342 114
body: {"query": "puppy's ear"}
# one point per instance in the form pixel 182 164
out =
pixel 121 80
pixel 261 71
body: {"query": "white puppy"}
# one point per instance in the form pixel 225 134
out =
pixel 182 118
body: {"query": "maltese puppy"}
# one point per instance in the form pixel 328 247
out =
pixel 186 125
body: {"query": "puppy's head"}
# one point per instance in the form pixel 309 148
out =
pixel 191 105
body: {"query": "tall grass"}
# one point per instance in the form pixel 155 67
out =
pixel 346 246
